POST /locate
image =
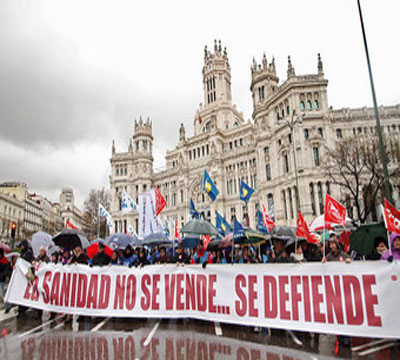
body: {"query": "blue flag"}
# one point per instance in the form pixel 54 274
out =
pixel 260 223
pixel 222 225
pixel 208 186
pixel 193 210
pixel 245 192
pixel 238 231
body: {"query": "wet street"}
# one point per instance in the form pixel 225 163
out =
pixel 32 337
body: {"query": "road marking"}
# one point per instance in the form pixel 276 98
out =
pixel 367 345
pixel 100 324
pixel 39 327
pixel 375 349
pixel 218 330
pixel 152 332
pixel 294 337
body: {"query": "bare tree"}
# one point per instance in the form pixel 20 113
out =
pixel 355 164
pixel 91 209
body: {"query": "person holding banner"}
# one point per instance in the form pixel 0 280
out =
pixel 335 253
pixel 278 254
pixel 395 245
pixel 180 257
pixel 101 258
pixel 201 255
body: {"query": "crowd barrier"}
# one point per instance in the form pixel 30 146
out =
pixel 336 298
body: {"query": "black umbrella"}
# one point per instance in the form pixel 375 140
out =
pixel 156 239
pixel 70 238
pixel 364 239
pixel 199 227
pixel 284 233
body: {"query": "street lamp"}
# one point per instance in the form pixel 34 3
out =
pixel 291 124
pixel 388 187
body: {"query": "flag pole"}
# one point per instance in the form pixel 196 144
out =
pixel 387 232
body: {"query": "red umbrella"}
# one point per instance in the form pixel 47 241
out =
pixel 5 247
pixel 93 249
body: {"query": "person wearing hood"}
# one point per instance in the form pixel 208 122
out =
pixel 335 252
pixel 26 252
pixel 395 245
pixel 128 256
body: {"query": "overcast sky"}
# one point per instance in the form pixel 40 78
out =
pixel 75 74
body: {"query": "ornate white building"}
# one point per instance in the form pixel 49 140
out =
pixel 263 152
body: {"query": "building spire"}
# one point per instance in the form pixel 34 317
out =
pixel 320 66
pixel 113 147
pixel 290 70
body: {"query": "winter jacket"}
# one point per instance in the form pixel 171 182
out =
pixel 395 252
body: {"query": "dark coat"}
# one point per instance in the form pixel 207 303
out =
pixel 101 259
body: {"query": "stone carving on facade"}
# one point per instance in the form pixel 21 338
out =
pixel 182 136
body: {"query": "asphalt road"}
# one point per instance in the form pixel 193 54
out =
pixel 33 337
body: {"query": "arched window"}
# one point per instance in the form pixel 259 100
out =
pixel 284 204
pixel 320 198
pixel 316 104
pixel 309 105
pixel 302 107
pixel 312 198
pixel 270 201
pixel 287 110
pixel 291 203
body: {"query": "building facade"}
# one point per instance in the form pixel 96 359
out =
pixel 70 212
pixel 291 126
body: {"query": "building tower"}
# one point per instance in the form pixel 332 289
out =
pixel 143 159
pixel 264 82
pixel 217 111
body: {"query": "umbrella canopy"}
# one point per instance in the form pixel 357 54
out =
pixel 44 239
pixel 70 238
pixel 251 238
pixel 156 239
pixel 190 241
pixel 93 249
pixel 318 224
pixel 213 244
pixel 199 227
pixel 121 241
pixel 285 233
pixel 5 247
pixel 363 239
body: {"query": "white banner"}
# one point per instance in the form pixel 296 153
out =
pixel 352 299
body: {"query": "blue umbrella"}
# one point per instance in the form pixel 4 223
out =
pixel 121 241
pixel 190 241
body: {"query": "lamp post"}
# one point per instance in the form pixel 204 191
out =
pixel 291 124
pixel 388 187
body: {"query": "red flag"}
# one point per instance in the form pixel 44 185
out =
pixel 303 231
pixel 160 201
pixel 68 224
pixel 334 212
pixel 206 240
pixel 200 120
pixel 392 217
pixel 268 222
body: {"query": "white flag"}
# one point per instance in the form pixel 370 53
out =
pixel 127 203
pixel 148 223
pixel 131 231
pixel 106 214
